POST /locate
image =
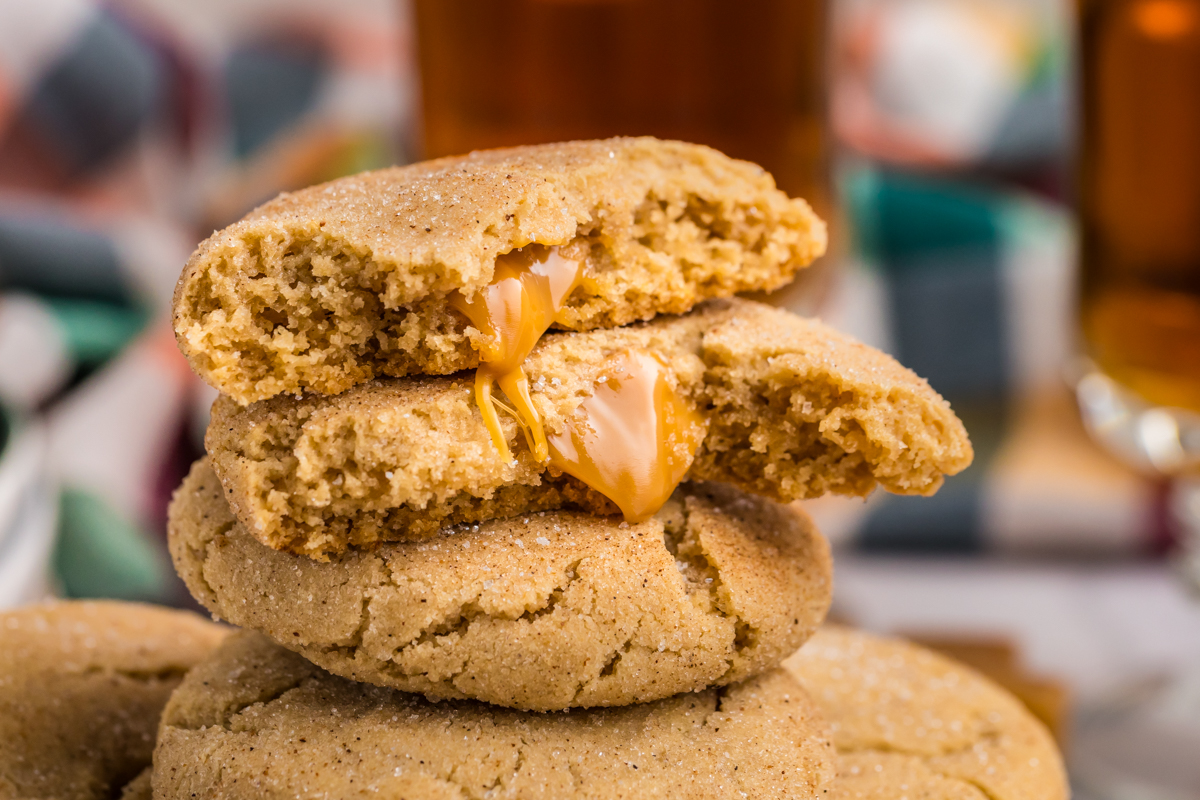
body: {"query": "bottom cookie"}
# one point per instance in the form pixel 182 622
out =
pixel 541 612
pixel 81 688
pixel 908 722
pixel 258 721
pixel 140 788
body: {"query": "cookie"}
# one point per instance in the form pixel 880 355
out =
pixel 324 288
pixel 81 688
pixel 544 612
pixel 793 409
pixel 257 721
pixel 909 722
pixel 140 788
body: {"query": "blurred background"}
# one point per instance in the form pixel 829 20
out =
pixel 1013 188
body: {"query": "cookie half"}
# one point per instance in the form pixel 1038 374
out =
pixel 545 612
pixel 324 288
pixel 272 725
pixel 793 409
pixel 907 721
pixel 82 685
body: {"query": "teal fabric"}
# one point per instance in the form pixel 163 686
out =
pixel 939 247
pixel 101 554
pixel 96 331
pixel 900 217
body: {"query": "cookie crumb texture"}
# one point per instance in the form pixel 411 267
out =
pixel 907 721
pixel 543 612
pixel 257 721
pixel 324 288
pixel 794 409
pixel 82 685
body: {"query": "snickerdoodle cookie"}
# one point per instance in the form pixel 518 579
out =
pixel 258 721
pixel 141 787
pixel 548 611
pixel 333 285
pixel 909 722
pixel 81 688
pixel 792 408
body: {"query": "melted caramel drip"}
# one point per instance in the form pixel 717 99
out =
pixel 633 439
pixel 525 298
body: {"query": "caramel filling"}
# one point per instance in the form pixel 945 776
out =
pixel 527 292
pixel 633 439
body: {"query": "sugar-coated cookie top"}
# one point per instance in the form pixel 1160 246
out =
pixel 542 612
pixel 272 725
pixel 333 285
pixel 904 716
pixel 81 688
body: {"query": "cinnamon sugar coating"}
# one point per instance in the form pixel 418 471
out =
pixel 81 688
pixel 257 721
pixel 544 612
pixel 910 722
pixel 328 287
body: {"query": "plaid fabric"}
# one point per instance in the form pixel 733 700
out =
pixel 973 289
pixel 128 131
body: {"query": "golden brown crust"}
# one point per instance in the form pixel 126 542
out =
pixel 81 688
pixel 794 409
pixel 322 289
pixel 901 715
pixel 257 721
pixel 545 612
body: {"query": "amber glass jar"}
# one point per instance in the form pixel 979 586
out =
pixel 745 77
pixel 1140 194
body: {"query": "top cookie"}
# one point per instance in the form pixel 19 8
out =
pixel 81 688
pixel 331 286
pixel 905 718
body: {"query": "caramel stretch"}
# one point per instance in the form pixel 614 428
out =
pixel 523 300
pixel 633 439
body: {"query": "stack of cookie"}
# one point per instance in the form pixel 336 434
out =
pixel 480 559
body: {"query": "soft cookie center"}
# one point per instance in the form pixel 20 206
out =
pixel 634 438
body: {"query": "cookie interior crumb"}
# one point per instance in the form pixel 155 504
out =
pixel 794 409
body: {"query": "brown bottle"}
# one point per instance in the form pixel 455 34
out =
pixel 744 77
pixel 1140 194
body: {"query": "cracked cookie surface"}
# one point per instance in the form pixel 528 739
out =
pixel 258 721
pixel 336 284
pixel 793 409
pixel 81 688
pixel 906 720
pixel 541 612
